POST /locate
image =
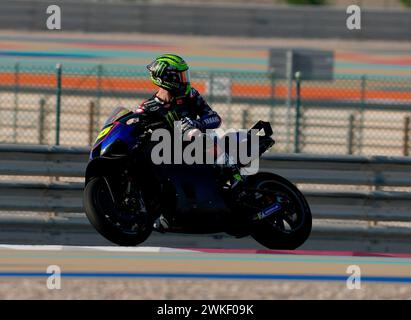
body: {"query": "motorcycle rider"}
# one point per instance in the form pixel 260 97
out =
pixel 170 73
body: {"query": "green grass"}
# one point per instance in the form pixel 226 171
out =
pixel 406 2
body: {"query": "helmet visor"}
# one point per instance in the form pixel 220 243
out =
pixel 177 78
pixel 185 77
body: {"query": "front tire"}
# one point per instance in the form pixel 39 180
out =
pixel 289 228
pixel 100 211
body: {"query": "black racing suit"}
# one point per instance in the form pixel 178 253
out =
pixel 192 106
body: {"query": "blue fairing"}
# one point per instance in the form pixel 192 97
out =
pixel 120 134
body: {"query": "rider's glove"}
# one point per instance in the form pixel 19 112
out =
pixel 188 124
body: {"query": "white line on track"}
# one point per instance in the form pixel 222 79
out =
pixel 88 248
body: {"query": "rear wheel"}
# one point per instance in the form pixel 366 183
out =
pixel 122 220
pixel 287 228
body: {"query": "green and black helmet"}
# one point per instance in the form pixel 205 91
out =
pixel 170 72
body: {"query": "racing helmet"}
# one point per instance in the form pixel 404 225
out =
pixel 170 72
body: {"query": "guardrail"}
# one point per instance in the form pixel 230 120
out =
pixel 375 172
pixel 371 205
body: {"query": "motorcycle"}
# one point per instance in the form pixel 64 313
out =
pixel 125 193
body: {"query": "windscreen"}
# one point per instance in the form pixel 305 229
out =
pixel 117 113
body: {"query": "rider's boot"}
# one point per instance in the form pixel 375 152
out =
pixel 228 165
pixel 161 224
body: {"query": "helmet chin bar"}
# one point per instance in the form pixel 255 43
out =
pixel 177 92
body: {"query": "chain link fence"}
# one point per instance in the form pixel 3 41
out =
pixel 348 115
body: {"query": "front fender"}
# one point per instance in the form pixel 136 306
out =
pixel 103 166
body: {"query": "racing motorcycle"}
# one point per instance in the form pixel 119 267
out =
pixel 126 193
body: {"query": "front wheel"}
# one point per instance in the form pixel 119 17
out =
pixel 125 225
pixel 287 228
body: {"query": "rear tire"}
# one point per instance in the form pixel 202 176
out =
pixel 93 205
pixel 267 231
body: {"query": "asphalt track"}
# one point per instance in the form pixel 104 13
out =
pixel 167 263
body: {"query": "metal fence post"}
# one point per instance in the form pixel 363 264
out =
pixel 42 117
pixel 229 99
pixel 211 87
pixel 92 111
pixel 361 112
pixel 297 133
pixel 271 75
pixel 406 139
pixel 58 102
pixel 350 135
pixel 99 93
pixel 289 75
pixel 16 99
pixel 245 119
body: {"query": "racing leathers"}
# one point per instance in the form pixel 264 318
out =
pixel 193 111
